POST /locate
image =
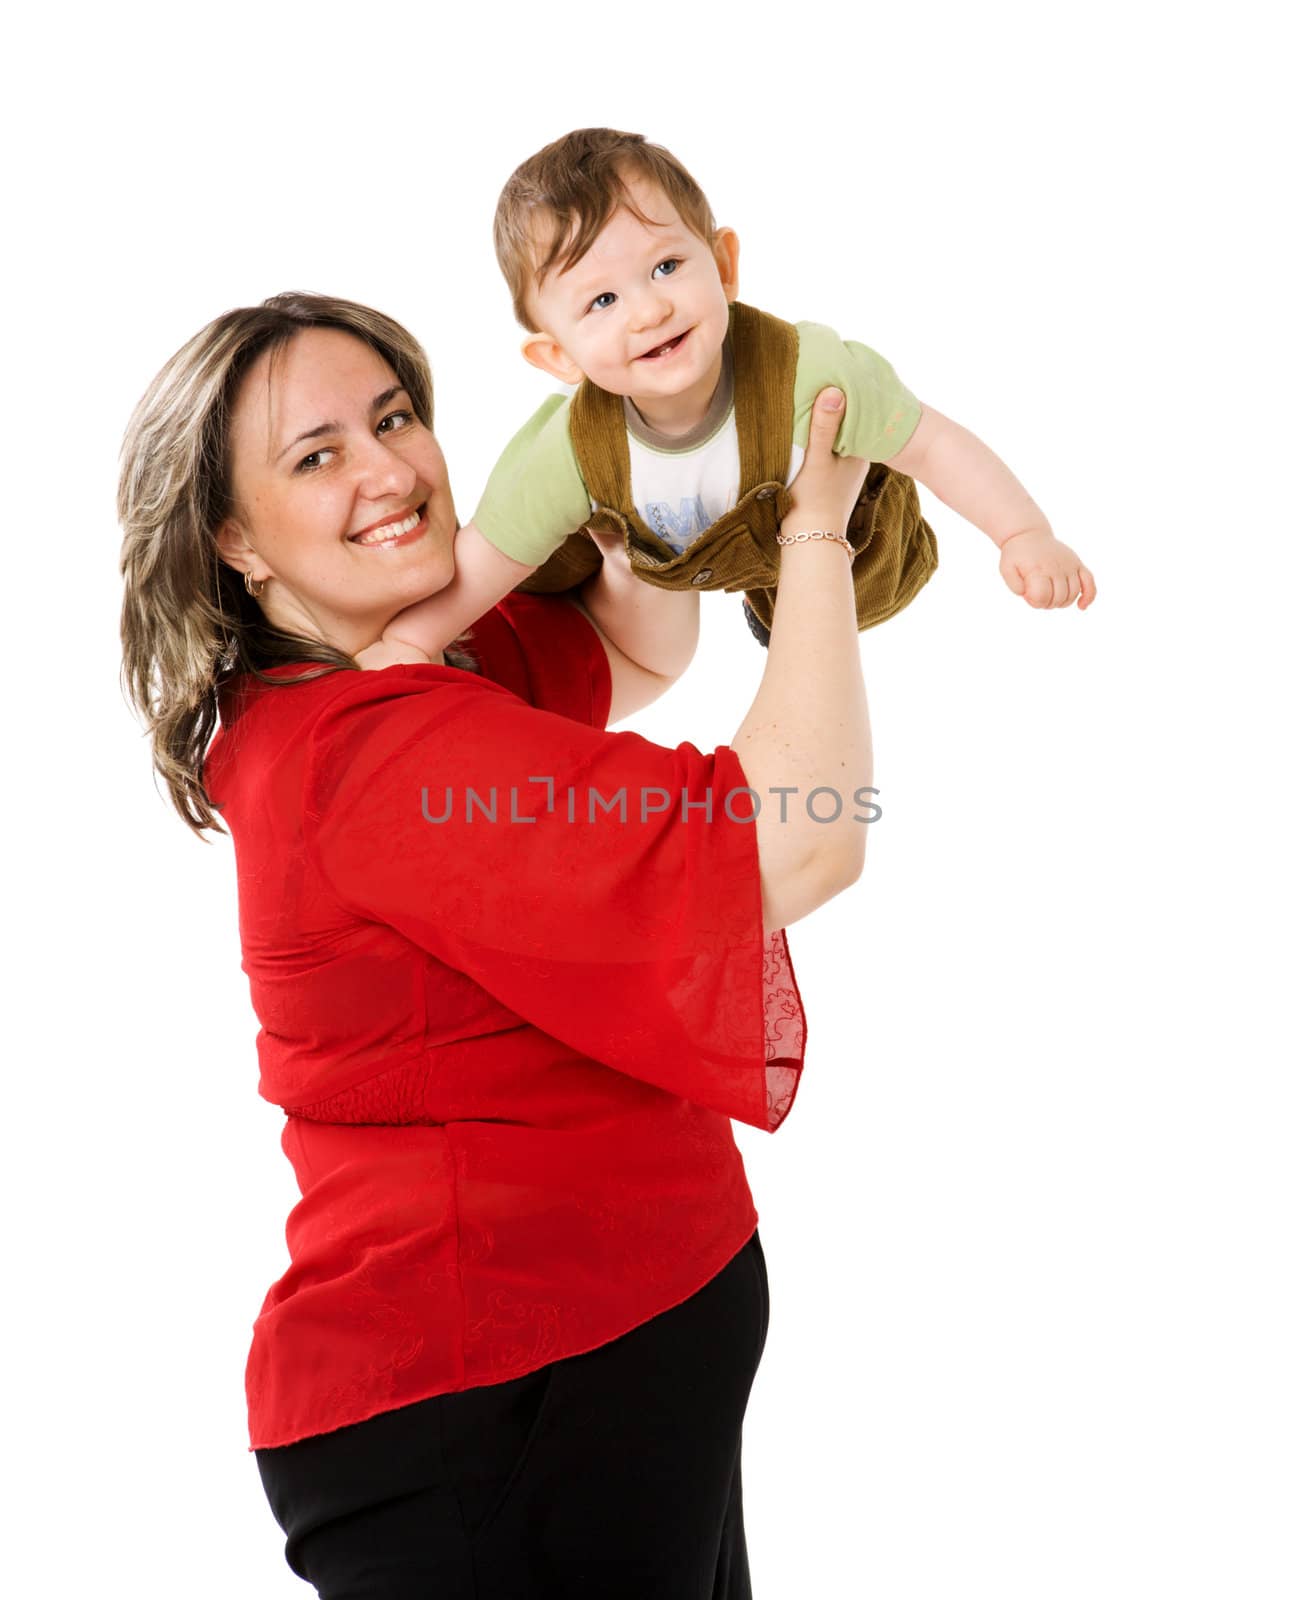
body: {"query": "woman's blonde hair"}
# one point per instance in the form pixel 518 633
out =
pixel 188 624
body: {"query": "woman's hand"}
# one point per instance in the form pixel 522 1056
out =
pixel 655 629
pixel 613 549
pixel 826 488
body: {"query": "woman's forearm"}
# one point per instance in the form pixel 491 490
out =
pixel 808 729
pixel 805 745
pixel 656 628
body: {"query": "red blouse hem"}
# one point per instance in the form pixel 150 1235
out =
pixel 397 1398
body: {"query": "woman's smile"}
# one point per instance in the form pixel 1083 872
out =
pixel 393 531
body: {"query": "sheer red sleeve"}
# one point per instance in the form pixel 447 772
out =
pixel 604 888
pixel 546 652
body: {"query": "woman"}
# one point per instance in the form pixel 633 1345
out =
pixel 515 973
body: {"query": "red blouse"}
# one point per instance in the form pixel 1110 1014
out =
pixel 508 1049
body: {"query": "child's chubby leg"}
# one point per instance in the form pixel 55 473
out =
pixel 483 576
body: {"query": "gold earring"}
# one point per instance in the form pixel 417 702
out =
pixel 248 581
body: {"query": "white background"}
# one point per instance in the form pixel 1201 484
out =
pixel 1029 1227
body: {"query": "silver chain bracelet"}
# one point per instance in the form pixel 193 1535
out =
pixel 817 533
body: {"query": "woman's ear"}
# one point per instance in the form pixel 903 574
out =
pixel 232 546
pixel 543 351
pixel 724 247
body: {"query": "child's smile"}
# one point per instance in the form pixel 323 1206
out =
pixel 662 352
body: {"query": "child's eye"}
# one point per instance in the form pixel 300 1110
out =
pixel 408 417
pixel 602 301
pixel 666 267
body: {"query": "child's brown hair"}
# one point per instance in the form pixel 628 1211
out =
pixel 576 184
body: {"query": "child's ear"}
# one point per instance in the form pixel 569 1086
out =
pixel 724 248
pixel 543 351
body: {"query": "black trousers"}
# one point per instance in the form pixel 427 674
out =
pixel 616 1473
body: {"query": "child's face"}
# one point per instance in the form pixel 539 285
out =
pixel 645 312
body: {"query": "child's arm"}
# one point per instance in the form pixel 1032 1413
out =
pixel 483 575
pixel 967 475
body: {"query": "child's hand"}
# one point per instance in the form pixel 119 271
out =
pixel 422 628
pixel 390 653
pixel 1045 572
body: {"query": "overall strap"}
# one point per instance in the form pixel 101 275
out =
pixel 764 355
pixel 598 436
pixel 765 358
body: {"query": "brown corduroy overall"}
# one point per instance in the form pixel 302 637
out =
pixel 895 549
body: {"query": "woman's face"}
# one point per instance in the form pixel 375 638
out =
pixel 342 496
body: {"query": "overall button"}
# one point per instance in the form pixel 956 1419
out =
pixel 701 577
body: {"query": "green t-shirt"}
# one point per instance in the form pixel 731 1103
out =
pixel 535 496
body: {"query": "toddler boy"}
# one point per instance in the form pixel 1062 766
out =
pixel 692 415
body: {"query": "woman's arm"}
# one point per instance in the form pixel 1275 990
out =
pixel 633 686
pixel 649 634
pixel 655 628
pixel 808 727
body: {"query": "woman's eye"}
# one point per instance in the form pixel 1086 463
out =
pixel 666 267
pixel 314 461
pixel 603 301
pixel 406 418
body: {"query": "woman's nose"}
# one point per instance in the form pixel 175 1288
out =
pixel 382 471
